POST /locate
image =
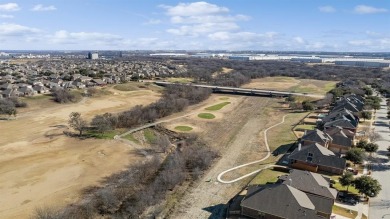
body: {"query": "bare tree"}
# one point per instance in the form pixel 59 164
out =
pixel 374 136
pixel 77 123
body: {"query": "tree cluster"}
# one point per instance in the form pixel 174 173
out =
pixel 175 99
pixel 365 184
pixel 8 106
pixel 202 70
pixel 63 96
pixel 129 193
pixel 368 147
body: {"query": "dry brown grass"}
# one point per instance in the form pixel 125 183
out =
pixel 40 166
pixel 292 84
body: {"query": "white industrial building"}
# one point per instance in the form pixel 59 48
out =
pixel 366 63
pixel 94 55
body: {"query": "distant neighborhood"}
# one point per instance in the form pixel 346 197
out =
pixel 31 78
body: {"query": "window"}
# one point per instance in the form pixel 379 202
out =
pixel 309 157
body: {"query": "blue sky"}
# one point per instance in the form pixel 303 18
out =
pixel 305 25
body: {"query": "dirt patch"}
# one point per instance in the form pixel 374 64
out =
pixel 40 166
pixel 237 134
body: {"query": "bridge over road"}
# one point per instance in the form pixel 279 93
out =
pixel 243 91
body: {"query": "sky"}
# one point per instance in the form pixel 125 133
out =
pixel 268 25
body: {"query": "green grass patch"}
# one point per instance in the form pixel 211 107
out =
pixel 267 175
pixel 224 98
pixel 206 116
pixel 217 106
pixel 344 212
pixel 106 135
pixel 183 128
pixel 305 127
pixel 329 86
pixel 131 137
pixel 282 134
pixel 303 89
pixel 150 136
pixel 339 187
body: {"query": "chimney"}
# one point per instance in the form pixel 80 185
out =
pixel 299 146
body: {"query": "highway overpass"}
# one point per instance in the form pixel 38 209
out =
pixel 242 91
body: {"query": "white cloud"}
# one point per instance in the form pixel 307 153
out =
pixel 41 7
pixel 364 9
pixel 201 29
pixel 327 9
pixel 360 42
pixel 194 9
pixel 299 40
pixel 6 16
pixel 153 21
pixel 9 7
pixel 207 19
pixel 65 37
pixel 201 19
pixel 9 29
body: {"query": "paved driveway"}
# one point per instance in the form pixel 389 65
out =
pixel 380 205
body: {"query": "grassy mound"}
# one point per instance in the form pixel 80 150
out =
pixel 218 106
pixel 206 116
pixel 183 128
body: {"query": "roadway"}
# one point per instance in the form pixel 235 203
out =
pixel 380 205
pixel 243 91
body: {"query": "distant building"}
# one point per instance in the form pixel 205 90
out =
pixel 239 58
pixel 94 55
pixel 373 64
pixel 307 59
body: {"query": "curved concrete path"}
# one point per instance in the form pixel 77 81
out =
pixel 250 163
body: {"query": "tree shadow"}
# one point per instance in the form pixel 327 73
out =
pixel 383 124
pixel 386 153
pixel 217 211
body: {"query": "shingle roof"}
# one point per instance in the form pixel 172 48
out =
pixel 316 136
pixel 344 123
pixel 321 156
pixel 291 203
pixel 310 183
pixel 348 105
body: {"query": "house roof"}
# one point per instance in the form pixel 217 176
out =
pixel 291 203
pixel 336 129
pixel 340 137
pixel 316 136
pixel 321 204
pixel 321 156
pixel 309 182
pixel 348 105
pixel 340 113
pixel 344 123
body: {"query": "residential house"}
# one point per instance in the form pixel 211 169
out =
pixel 347 105
pixel 342 139
pixel 316 136
pixel 40 89
pixel 27 91
pixel 316 158
pixel 316 187
pixel 343 123
pixel 341 113
pixel 276 202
